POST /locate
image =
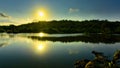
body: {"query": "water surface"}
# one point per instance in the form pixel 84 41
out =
pixel 52 50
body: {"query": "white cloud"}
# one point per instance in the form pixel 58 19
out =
pixel 7 20
pixel 73 10
pixel 3 15
pixel 15 21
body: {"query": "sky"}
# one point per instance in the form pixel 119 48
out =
pixel 26 11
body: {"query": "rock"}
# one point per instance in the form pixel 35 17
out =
pixel 81 63
pixel 116 56
pixel 100 61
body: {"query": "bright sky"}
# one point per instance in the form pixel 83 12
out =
pixel 25 11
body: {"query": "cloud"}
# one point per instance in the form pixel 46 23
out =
pixel 4 15
pixel 8 21
pixel 15 21
pixel 73 10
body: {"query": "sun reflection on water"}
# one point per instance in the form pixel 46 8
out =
pixel 40 47
pixel 41 34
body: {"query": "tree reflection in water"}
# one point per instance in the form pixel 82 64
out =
pixel 91 38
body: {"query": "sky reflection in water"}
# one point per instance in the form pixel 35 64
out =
pixel 23 52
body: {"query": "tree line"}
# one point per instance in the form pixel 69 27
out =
pixel 65 26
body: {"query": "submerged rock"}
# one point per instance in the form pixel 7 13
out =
pixel 81 63
pixel 100 61
pixel 116 56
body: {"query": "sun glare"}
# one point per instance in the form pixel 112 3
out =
pixel 41 14
pixel 40 47
pixel 41 34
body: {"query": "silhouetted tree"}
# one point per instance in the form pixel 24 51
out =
pixel 65 26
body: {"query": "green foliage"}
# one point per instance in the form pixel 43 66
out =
pixel 65 26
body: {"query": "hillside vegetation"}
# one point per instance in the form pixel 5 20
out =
pixel 65 26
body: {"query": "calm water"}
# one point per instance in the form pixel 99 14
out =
pixel 52 50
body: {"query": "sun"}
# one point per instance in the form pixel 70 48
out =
pixel 41 14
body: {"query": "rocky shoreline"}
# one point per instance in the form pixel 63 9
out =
pixel 100 61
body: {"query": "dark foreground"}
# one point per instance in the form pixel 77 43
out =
pixel 100 61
